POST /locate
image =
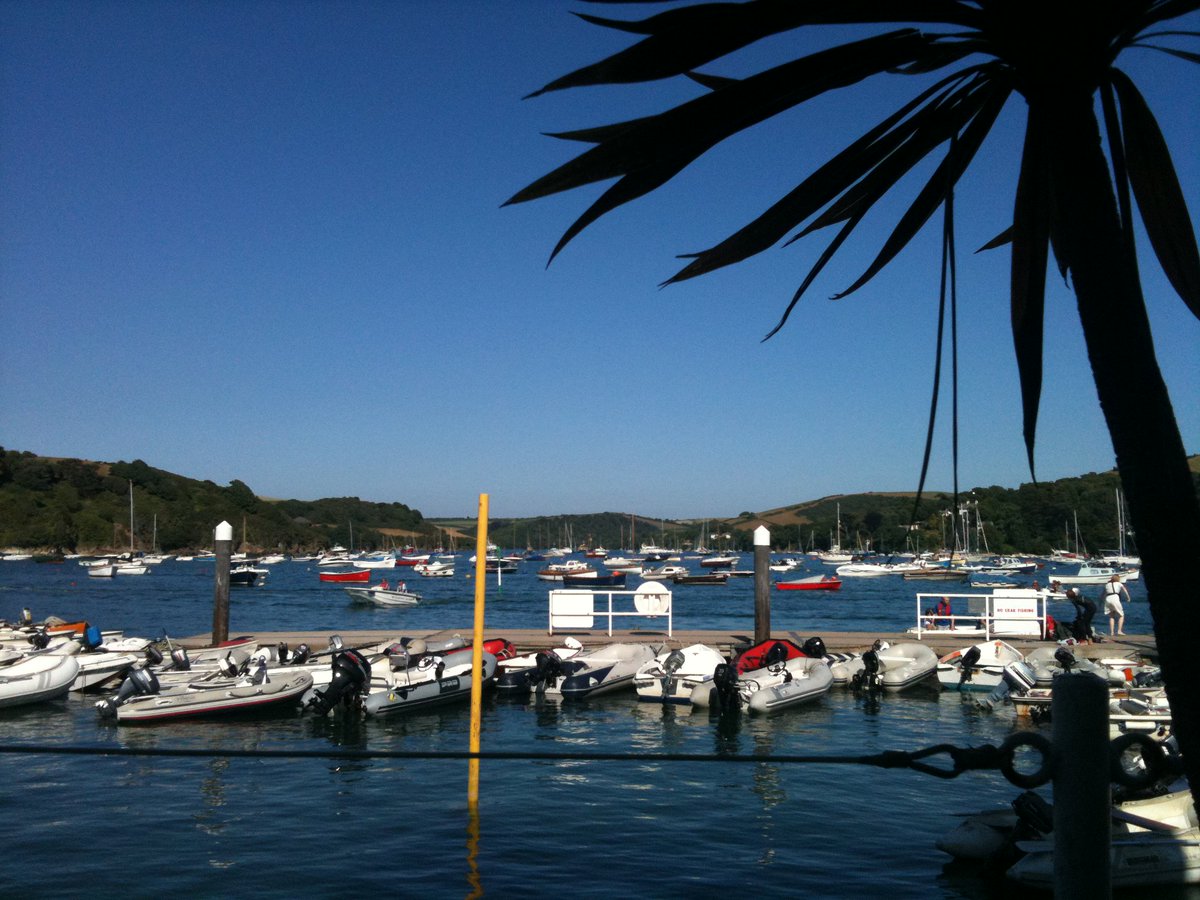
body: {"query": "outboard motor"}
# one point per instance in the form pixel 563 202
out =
pixel 180 661
pixel 153 655
pixel 40 640
pixel 1065 658
pixel 140 682
pixel 26 617
pixel 351 676
pixel 335 643
pixel 670 666
pixel 969 659
pixel 547 666
pixel 301 655
pixel 92 638
pixel 868 679
pixel 234 663
pixel 814 647
pixel 725 695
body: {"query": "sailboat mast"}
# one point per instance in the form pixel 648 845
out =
pixel 131 516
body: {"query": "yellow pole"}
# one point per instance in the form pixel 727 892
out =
pixel 481 542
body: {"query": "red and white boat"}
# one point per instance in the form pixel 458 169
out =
pixel 811 583
pixel 413 559
pixel 352 575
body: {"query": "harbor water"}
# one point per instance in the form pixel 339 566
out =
pixel 731 821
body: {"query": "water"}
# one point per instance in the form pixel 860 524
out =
pixel 210 827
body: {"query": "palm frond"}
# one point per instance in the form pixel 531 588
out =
pixel 928 129
pixel 826 255
pixel 680 40
pixel 938 187
pixel 1004 237
pixel 1159 197
pixel 821 187
pixel 652 150
pixel 1030 248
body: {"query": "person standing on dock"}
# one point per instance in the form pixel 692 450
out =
pixel 1085 609
pixel 1112 605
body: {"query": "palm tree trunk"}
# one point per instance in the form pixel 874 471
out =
pixel 1151 459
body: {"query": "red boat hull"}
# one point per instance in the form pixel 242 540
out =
pixel 825 584
pixel 364 575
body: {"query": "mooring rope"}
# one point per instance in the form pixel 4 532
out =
pixel 961 759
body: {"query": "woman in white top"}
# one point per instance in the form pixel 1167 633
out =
pixel 1112 605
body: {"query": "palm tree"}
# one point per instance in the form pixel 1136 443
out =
pixel 1072 198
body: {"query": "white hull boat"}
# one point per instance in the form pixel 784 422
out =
pixel 382 596
pixel 769 677
pixel 602 670
pixel 1095 575
pixel 146 702
pixel 672 675
pixel 425 680
pixel 35 679
pixel 905 663
pixel 979 667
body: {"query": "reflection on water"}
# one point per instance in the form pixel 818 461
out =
pixel 273 828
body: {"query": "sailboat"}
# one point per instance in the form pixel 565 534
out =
pixel 133 566
pixel 1119 557
pixel 836 556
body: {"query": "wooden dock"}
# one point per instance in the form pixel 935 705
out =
pixel 1132 646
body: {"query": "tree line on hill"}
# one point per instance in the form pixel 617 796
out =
pixel 82 506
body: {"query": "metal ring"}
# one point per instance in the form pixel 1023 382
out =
pixel 1025 739
pixel 1154 757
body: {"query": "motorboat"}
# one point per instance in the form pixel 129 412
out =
pixel 141 699
pixel 865 570
pixel 1049 662
pixel 784 565
pixel 705 578
pixel 1154 840
pixel 600 670
pixel 904 664
pixel 105 571
pixel 810 583
pixel 593 579
pixel 1095 575
pixel 382 595
pixel 979 667
pixel 350 575
pixel 673 674
pixel 36 678
pixel 1009 565
pixel 770 676
pixel 556 571
pixel 416 678
pixel 521 673
pixel 435 569
pixel 720 561
pixel 885 666
pixel 245 575
pixel 663 573
pixel 937 573
pixel 378 561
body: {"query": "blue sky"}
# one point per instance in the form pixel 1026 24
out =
pixel 266 241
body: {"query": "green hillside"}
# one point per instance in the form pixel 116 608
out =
pixel 50 504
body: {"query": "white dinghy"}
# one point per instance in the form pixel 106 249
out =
pixel 979 667
pixel 34 679
pixel 672 675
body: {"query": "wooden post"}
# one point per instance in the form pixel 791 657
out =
pixel 1082 794
pixel 223 544
pixel 762 584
